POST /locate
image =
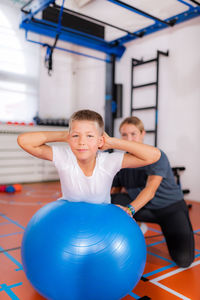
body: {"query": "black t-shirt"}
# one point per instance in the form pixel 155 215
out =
pixel 134 180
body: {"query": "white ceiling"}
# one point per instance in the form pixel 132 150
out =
pixel 114 14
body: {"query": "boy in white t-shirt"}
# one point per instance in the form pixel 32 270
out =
pixel 86 174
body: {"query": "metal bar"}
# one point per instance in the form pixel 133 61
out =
pixel 163 53
pixel 139 63
pixel 25 5
pixel 147 15
pixel 157 92
pixel 185 3
pixel 185 16
pixel 144 108
pixel 36 8
pixel 67 50
pixel 96 20
pixel 144 85
pixel 74 37
pixel 56 38
pixel 66 29
pixel 136 61
pixel 110 79
pixel 60 16
pixel 132 65
pixel 150 131
pixel 195 2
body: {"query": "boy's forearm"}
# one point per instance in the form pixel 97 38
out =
pixel 42 137
pixel 141 151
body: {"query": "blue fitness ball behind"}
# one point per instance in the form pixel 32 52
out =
pixel 83 251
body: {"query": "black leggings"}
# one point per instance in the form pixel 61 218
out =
pixel 175 224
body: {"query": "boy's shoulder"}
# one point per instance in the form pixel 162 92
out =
pixel 110 160
pixel 61 151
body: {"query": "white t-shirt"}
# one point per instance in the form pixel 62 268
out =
pixel 78 187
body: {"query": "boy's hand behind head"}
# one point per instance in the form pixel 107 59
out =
pixel 106 144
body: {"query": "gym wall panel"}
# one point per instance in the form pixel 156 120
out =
pixel 17 166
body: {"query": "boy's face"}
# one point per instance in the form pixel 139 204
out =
pixel 85 139
pixel 131 133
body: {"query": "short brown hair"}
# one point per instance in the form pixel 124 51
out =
pixel 87 115
pixel 133 120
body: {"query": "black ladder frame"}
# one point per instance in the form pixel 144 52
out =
pixel 135 63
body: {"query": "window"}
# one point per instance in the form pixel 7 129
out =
pixel 19 68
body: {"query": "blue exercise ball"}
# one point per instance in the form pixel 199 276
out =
pixel 83 251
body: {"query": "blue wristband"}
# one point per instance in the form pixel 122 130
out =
pixel 132 209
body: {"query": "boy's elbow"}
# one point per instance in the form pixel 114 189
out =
pixel 20 139
pixel 157 155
